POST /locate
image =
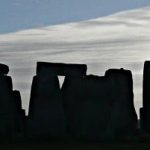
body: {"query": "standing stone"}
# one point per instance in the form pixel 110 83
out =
pixel 46 111
pixel 123 118
pixel 87 107
pixel 8 107
pixel 46 115
pixel 20 119
pixel 94 109
pixel 145 111
pixel 100 108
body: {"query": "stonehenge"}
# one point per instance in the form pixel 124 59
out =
pixel 86 107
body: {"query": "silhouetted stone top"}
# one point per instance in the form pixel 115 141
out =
pixel 4 69
pixel 147 62
pixel 145 110
pixel 61 69
pixel 146 69
pixel 117 72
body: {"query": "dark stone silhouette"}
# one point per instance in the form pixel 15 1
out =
pixel 46 114
pixel 20 118
pixel 87 107
pixel 4 69
pixel 10 103
pixel 145 111
pixel 44 68
pixel 123 120
pixel 100 107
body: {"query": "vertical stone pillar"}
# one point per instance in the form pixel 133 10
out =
pixel 9 107
pixel 46 115
pixel 145 111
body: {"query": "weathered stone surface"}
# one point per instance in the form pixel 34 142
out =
pixel 61 69
pixel 4 69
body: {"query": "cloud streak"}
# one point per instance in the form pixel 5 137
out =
pixel 101 44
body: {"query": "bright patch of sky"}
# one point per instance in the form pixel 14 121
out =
pixel 22 14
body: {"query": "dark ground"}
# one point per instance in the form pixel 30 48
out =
pixel 76 146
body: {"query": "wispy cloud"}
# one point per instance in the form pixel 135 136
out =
pixel 100 47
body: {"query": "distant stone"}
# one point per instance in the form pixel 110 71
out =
pixel 4 69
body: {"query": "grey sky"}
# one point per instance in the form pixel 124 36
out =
pixel 21 14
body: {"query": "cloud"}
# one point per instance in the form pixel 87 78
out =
pixel 102 47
